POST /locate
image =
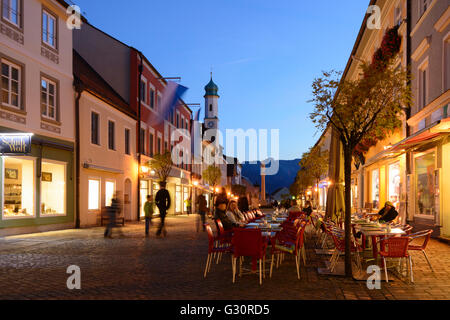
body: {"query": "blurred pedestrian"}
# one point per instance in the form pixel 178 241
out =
pixel 162 201
pixel 113 212
pixel 202 209
pixel 149 208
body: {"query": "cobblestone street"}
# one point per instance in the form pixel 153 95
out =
pixel 134 267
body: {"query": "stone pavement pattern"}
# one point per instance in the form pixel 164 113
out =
pixel 134 267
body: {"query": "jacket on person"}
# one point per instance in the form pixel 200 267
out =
pixel 149 209
pixel 243 204
pixel 202 204
pixel 389 215
pixel 226 222
pixel 162 200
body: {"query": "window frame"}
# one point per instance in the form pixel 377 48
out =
pixel 50 14
pixel 127 138
pixel 112 138
pixel 65 191
pixel 99 180
pixel 20 83
pixel 151 140
pixel 55 82
pixel 19 25
pixel 423 88
pixel 422 9
pixel 151 97
pixel 144 85
pixel 98 142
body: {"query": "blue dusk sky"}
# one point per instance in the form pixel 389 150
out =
pixel 264 54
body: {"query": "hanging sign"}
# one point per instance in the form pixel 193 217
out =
pixel 15 143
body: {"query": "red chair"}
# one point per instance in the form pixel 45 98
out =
pixel 248 243
pixel 426 234
pixel 407 228
pixel 338 236
pixel 396 247
pixel 285 242
pixel 213 248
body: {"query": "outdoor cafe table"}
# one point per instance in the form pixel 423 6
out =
pixel 377 232
pixel 268 231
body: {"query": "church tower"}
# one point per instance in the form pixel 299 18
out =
pixel 211 106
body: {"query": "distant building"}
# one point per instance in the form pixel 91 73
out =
pixel 280 194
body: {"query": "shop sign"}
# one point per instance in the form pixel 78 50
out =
pixel 15 143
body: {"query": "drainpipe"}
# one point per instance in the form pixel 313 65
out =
pixel 140 69
pixel 79 90
pixel 408 110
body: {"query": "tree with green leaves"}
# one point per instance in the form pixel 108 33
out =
pixel 361 108
pixel 162 164
pixel 212 176
pixel 316 163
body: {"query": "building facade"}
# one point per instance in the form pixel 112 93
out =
pixel 37 190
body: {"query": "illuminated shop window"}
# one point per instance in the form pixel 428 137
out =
pixel 94 194
pixel 394 184
pixel 18 191
pixel 53 189
pixel 376 188
pixel 110 190
pixel 426 185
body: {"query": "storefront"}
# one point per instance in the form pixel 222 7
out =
pixel 37 183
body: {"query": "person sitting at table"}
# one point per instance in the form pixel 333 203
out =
pixel 308 208
pixel 227 223
pixel 294 207
pixel 234 214
pixel 388 213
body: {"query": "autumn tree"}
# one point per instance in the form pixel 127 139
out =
pixel 316 163
pixel 358 109
pixel 162 164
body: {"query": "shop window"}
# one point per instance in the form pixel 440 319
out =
pixel 144 190
pixel 178 199
pixel 185 197
pixel 94 194
pixel 53 189
pixel 110 190
pixel 376 188
pixel 19 187
pixel 394 184
pixel 425 167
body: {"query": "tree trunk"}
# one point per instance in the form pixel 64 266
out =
pixel 348 209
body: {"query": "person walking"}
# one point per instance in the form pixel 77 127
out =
pixel 149 208
pixel 202 209
pixel 162 201
pixel 113 211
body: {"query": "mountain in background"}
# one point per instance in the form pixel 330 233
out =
pixel 284 178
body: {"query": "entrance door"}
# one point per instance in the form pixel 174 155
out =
pixel 127 200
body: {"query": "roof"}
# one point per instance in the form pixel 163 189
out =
pixel 92 82
pixel 211 89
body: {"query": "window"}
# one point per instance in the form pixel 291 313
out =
pixel 210 108
pixel 178 199
pixel 398 15
pixel 127 141
pixel 151 144
pixel 142 142
pixel 182 122
pixel 447 64
pixel 48 99
pixel 95 133
pixel 423 89
pixel 111 135
pixel 18 187
pixel 94 194
pixel 187 125
pixel 424 5
pixel 159 145
pixel 11 11
pixel 178 120
pixel 375 188
pixel 53 189
pixel 152 98
pixel 143 91
pixel 11 84
pixel 394 184
pixel 48 29
pixel 165 146
pixel 110 190
pixel 159 102
pixel 426 190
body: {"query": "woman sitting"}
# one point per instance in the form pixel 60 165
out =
pixel 234 215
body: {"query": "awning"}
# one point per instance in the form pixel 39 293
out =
pixel 441 128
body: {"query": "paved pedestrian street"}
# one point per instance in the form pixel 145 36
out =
pixel 130 266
